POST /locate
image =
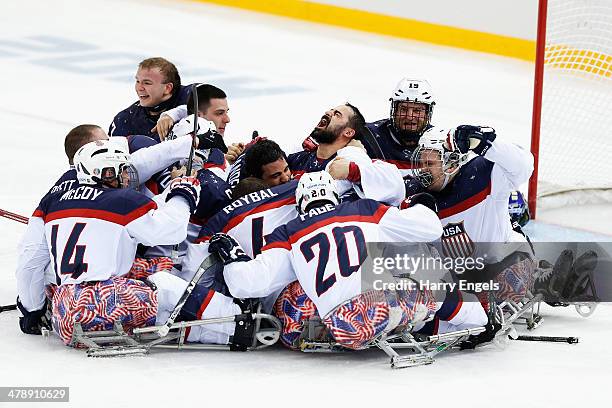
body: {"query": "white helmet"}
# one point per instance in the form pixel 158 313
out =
pixel 317 186
pixel 411 90
pixel 105 161
pixel 185 127
pixel 451 159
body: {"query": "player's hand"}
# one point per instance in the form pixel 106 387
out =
pixel 425 199
pixel 182 171
pixel 339 168
pixel 228 249
pixel 163 126
pixel 186 187
pixel 233 152
pixel 475 138
pixel 33 322
pixel 356 143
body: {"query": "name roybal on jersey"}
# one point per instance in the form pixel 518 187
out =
pixel 456 243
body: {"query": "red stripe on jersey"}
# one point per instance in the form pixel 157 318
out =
pixel 215 165
pixel 374 219
pixel 205 303
pixel 260 208
pixel 466 204
pixel 400 164
pixel 38 213
pixel 152 186
pixel 277 244
pixel 101 214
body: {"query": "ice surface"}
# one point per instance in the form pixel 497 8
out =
pixel 70 62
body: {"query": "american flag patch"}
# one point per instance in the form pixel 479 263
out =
pixel 456 243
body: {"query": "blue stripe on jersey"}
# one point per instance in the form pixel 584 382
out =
pixel 238 209
pixel 67 181
pixel 214 195
pixel 474 177
pixel 110 200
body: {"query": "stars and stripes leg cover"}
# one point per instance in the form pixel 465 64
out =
pixel 356 322
pixel 293 307
pixel 514 283
pixel 363 318
pixel 97 305
pixel 143 268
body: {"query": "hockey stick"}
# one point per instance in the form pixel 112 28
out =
pixel 207 263
pixel 13 216
pixel 7 308
pixel 552 339
pixel 194 92
pixel 23 220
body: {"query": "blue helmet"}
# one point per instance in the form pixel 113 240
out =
pixel 518 209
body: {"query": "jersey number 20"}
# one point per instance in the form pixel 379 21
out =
pixel 322 284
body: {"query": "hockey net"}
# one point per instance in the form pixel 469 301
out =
pixel 575 131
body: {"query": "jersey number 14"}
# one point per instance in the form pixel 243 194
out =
pixel 76 268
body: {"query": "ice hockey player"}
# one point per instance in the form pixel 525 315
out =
pixel 340 233
pixel 471 173
pixel 266 161
pixel 338 128
pixel 412 104
pixel 94 288
pixel 212 106
pixel 158 87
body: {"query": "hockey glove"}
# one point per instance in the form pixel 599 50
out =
pixel 186 187
pixel 425 199
pixel 475 138
pixel 33 322
pixel 211 140
pixel 228 249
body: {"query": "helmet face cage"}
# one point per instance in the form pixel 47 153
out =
pixel 415 91
pixel 448 161
pixel 127 177
pixel 405 134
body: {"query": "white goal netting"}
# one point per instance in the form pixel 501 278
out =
pixel 576 124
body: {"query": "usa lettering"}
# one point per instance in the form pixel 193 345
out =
pixel 250 199
pixel 449 231
pixel 81 193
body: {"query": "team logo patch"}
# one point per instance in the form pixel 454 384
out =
pixel 456 243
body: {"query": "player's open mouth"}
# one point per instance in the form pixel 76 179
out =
pixel 323 122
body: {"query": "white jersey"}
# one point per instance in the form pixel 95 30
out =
pixel 474 208
pixel 248 219
pixel 91 233
pixel 324 250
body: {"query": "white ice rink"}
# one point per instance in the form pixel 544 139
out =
pixel 67 62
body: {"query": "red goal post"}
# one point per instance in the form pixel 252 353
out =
pixel 572 104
